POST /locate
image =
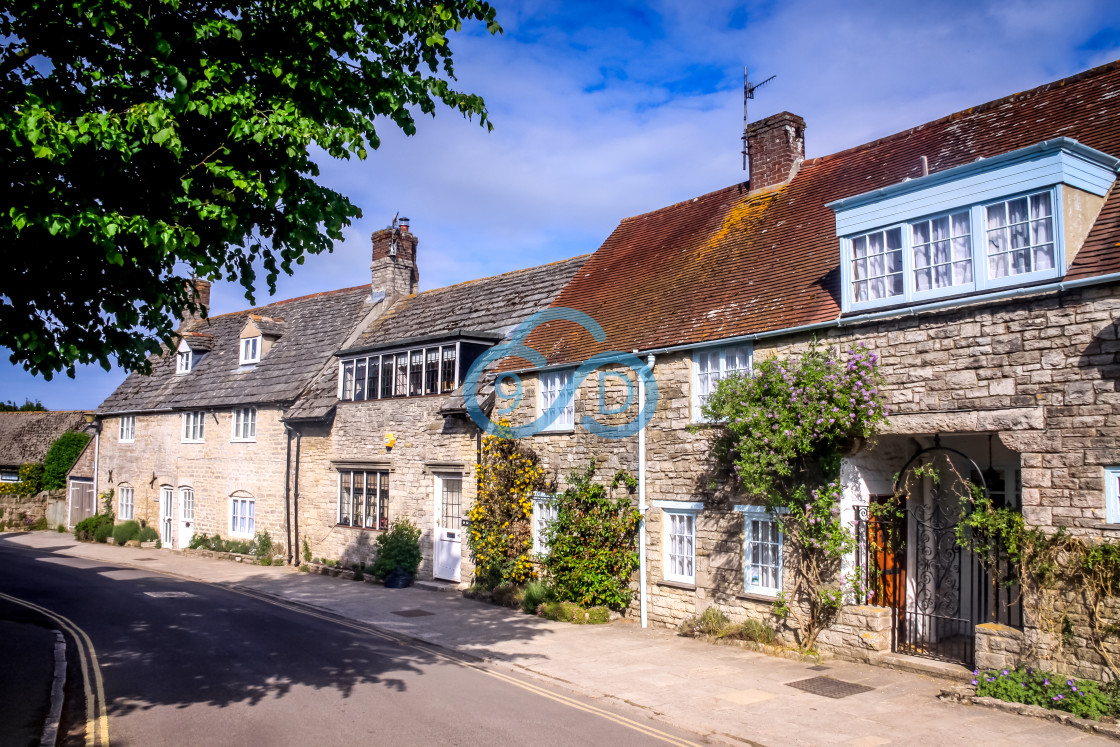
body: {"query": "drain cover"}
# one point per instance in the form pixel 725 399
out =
pixel 169 594
pixel 819 668
pixel 829 687
pixel 412 613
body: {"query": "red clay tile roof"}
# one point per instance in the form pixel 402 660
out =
pixel 728 263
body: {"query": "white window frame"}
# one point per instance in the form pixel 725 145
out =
pixel 251 350
pixel 244 425
pixel 242 517
pixel 375 501
pixel 678 512
pixel 551 386
pixel 376 385
pixel 982 280
pixel 9 476
pixel 728 359
pixel 545 509
pixel 183 361
pixel 126 502
pixel 126 429
pixel 194 427
pixel 186 503
pixel 1112 494
pixel 762 514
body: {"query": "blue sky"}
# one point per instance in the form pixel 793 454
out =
pixel 605 110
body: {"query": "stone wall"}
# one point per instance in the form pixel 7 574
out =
pixel 216 470
pixel 427 444
pixel 1039 372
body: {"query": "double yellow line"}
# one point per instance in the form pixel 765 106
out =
pixel 637 726
pixel 97 720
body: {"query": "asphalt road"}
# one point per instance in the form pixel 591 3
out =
pixel 195 664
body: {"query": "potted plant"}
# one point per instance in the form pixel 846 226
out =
pixel 398 554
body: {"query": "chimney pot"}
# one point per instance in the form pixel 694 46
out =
pixel 776 149
pixel 199 290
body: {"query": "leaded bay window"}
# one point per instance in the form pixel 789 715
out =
pixel 984 225
pixel 877 265
pixel 427 370
pixel 942 251
pixel 1020 236
pixel 363 499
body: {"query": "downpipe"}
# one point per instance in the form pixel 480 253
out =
pixel 642 508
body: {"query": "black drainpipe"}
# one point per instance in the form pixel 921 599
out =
pixel 295 493
pixel 287 491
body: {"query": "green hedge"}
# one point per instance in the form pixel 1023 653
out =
pixel 89 529
pixel 126 532
pixel 61 457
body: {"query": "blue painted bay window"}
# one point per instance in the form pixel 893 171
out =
pixel 982 226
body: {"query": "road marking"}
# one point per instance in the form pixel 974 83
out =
pixel 97 720
pixel 639 727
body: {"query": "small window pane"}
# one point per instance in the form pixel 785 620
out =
pixel 348 380
pixel 360 379
pixel 447 374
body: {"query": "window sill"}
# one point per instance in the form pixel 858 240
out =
pixel 362 529
pixel 342 401
pixel 754 596
pixel 677 584
pixel 243 440
pixel 192 442
pixel 555 432
pixel 1109 527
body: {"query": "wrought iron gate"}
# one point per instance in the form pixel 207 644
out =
pixel 939 592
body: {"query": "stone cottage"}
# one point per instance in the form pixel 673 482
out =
pixel 977 255
pixel 25 438
pixel 384 433
pixel 199 445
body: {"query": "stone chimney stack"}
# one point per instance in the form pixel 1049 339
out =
pixel 394 269
pixel 776 149
pixel 199 289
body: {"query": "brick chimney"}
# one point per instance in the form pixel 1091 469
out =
pixel 199 290
pixel 776 149
pixel 394 269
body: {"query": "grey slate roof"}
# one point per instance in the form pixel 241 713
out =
pixel 314 327
pixel 490 305
pixel 26 436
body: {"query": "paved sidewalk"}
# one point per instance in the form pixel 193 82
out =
pixel 728 694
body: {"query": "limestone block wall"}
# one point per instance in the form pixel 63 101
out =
pixel 427 444
pixel 216 469
pixel 1039 372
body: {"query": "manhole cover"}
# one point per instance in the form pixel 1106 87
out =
pixel 412 613
pixel 819 668
pixel 829 687
pixel 168 594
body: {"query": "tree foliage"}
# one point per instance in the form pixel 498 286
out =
pixel 145 142
pixel 27 406
pixel 61 457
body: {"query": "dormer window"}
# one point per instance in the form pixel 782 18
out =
pixel 250 350
pixel 1013 219
pixel 184 358
pixel 413 371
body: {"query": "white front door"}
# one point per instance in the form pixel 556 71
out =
pixel 166 516
pixel 186 516
pixel 448 535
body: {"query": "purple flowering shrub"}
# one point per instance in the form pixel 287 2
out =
pixel 1083 698
pixel 785 430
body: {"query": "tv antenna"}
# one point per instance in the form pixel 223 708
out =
pixel 748 94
